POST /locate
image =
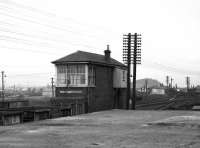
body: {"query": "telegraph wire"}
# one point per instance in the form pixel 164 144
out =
pixel 162 67
pixel 11 10
pixel 32 43
pixel 158 65
pixel 24 41
pixel 29 50
pixel 44 38
pixel 55 27
pixel 37 23
pixel 51 14
pixel 49 34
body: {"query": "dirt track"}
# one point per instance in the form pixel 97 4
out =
pixel 116 128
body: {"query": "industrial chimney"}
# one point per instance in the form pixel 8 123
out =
pixel 107 54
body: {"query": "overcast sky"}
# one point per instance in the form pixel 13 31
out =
pixel 35 32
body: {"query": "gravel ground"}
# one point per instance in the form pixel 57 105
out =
pixel 108 129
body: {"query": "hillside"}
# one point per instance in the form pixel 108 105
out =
pixel 150 82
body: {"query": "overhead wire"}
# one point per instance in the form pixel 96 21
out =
pixel 47 38
pixel 29 50
pixel 51 36
pixel 51 14
pixel 33 43
pixel 35 36
pixel 49 24
pixel 37 23
pixel 164 67
pixel 155 65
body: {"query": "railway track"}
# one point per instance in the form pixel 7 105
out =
pixel 166 103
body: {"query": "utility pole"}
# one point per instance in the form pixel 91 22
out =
pixel 3 86
pixel 14 89
pixel 136 60
pixel 167 81
pixel 52 86
pixel 188 83
pixel 171 82
pixel 127 60
pixel 131 55
pixel 146 86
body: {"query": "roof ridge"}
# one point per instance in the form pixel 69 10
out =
pixel 89 52
pixel 80 56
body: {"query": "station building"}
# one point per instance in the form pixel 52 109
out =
pixel 90 82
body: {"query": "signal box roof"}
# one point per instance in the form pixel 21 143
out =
pixel 87 57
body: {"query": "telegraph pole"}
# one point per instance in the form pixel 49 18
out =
pixel 146 86
pixel 167 81
pixel 3 86
pixel 136 60
pixel 176 86
pixel 52 86
pixel 131 55
pixel 171 82
pixel 188 83
pixel 127 60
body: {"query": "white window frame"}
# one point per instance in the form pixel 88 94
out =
pixel 66 77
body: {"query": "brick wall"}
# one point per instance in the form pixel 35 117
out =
pixel 101 97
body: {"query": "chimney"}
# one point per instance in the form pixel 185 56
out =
pixel 107 53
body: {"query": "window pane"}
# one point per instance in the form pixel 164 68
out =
pixel 77 74
pixel 71 74
pixel 82 79
pixel 91 75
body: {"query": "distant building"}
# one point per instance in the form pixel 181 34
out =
pixel 91 82
pixel 197 89
pixel 196 107
pixel 184 90
pixel 157 91
pixel 47 92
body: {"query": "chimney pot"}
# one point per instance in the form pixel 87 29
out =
pixel 107 53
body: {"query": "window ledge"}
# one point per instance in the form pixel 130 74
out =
pixel 64 85
pixel 91 86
